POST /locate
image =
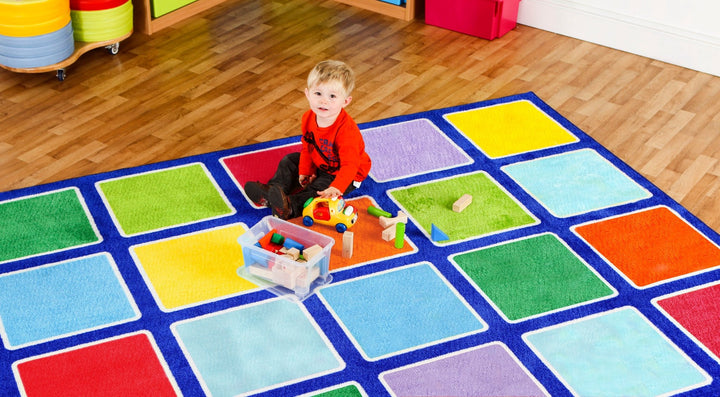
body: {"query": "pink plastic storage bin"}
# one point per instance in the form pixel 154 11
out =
pixel 488 19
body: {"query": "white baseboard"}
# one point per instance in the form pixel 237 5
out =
pixel 630 33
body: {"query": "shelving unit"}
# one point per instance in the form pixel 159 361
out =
pixel 146 24
pixel 406 12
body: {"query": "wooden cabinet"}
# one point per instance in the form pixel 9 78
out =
pixel 146 24
pixel 406 12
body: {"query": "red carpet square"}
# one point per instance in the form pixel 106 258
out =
pixel 651 246
pixel 256 166
pixel 125 366
pixel 698 312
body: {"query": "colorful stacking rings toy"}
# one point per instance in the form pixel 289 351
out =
pixel 37 51
pixel 26 18
pixel 103 25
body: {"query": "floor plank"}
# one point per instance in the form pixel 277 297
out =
pixel 234 75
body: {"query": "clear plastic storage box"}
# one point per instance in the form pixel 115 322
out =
pixel 280 272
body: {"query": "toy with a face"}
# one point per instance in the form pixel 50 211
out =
pixel 331 212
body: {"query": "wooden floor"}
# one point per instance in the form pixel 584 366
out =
pixel 234 75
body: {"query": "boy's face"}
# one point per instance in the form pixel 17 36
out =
pixel 326 100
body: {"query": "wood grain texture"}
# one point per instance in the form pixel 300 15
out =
pixel 235 74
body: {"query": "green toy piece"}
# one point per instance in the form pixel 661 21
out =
pixel 399 235
pixel 375 211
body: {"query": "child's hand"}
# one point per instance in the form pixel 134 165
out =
pixel 304 179
pixel 330 192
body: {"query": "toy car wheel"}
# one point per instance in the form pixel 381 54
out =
pixel 340 227
pixel 308 221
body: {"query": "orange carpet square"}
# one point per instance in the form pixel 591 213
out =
pixel 368 244
pixel 651 246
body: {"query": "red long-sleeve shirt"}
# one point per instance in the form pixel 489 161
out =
pixel 341 143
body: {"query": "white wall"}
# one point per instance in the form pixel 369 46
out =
pixel 685 33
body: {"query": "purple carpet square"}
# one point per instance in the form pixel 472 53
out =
pixel 488 370
pixel 410 148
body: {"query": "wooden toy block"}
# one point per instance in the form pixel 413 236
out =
pixel 286 275
pixel 293 253
pixel 389 233
pixel 386 222
pixel 438 235
pixel 462 203
pixel 277 238
pixel 399 235
pixel 310 252
pixel 260 271
pixel 375 211
pixel 307 277
pixel 265 240
pixel 290 243
pixel 347 249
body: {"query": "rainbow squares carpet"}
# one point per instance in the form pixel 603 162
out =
pixel 568 274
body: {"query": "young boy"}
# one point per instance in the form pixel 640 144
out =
pixel 332 161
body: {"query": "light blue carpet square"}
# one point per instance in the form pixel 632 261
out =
pixel 397 310
pixel 576 182
pixel 616 353
pixel 256 347
pixel 62 299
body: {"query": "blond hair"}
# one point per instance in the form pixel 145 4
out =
pixel 332 71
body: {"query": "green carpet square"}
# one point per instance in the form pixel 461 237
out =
pixel 492 209
pixel 532 276
pixel 44 223
pixel 169 197
pixel 347 390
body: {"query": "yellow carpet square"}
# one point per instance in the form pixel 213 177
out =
pixel 510 128
pixel 194 268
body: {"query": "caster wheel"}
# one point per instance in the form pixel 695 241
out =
pixel 113 49
pixel 60 74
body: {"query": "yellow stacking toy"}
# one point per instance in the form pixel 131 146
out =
pixel 92 24
pixel 25 18
pixel 35 33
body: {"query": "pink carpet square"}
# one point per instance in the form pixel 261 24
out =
pixel 698 312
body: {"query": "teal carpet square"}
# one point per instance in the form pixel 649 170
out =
pixel 255 347
pixel 576 182
pixel 616 353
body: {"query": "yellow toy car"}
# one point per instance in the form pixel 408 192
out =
pixel 331 212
